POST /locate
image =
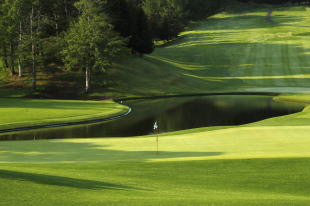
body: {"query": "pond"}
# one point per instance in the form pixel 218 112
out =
pixel 171 114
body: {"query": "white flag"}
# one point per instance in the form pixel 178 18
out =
pixel 155 126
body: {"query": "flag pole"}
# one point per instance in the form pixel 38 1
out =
pixel 155 128
pixel 157 140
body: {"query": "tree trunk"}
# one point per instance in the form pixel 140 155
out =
pixel 34 72
pixel 20 72
pixel 87 79
pixel 5 57
pixel 56 25
pixel 66 9
pixel 12 59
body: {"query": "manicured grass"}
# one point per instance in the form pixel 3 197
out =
pixel 259 182
pixel 228 52
pixel 261 164
pixel 17 112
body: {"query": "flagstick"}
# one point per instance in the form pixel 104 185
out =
pixel 157 141
pixel 155 128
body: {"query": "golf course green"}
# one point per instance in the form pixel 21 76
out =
pixel 264 163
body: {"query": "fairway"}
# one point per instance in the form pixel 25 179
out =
pixel 265 163
pixel 228 52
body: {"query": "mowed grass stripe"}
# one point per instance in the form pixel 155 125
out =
pixel 227 53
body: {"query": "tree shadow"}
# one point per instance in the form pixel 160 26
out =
pixel 217 60
pixel 286 20
pixel 249 21
pixel 62 181
pixel 88 151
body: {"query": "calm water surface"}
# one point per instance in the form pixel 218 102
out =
pixel 172 114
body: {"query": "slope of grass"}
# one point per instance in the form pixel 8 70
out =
pixel 228 52
pixel 17 112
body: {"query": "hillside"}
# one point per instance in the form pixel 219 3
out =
pixel 228 52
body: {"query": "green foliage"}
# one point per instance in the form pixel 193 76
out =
pixel 91 42
pixel 130 21
pixel 166 18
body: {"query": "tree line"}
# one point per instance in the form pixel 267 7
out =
pixel 278 1
pixel 89 35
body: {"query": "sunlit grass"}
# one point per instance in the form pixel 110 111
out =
pixel 17 112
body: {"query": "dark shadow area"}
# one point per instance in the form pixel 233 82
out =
pixel 284 19
pixel 249 21
pixel 61 181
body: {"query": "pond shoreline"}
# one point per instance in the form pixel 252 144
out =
pixel 66 124
pixel 121 100
pixel 20 129
pixel 198 95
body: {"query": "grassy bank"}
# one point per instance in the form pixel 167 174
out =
pixel 17 112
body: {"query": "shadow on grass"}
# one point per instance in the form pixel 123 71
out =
pixel 52 151
pixel 61 181
pixel 250 21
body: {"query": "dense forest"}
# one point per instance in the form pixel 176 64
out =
pixel 89 35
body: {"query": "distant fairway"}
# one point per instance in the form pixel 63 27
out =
pixel 265 163
pixel 228 52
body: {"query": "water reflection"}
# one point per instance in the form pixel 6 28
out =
pixel 172 114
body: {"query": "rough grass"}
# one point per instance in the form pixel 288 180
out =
pixel 17 112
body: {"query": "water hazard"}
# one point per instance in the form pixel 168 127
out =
pixel 171 114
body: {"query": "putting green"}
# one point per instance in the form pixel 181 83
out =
pixel 231 143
